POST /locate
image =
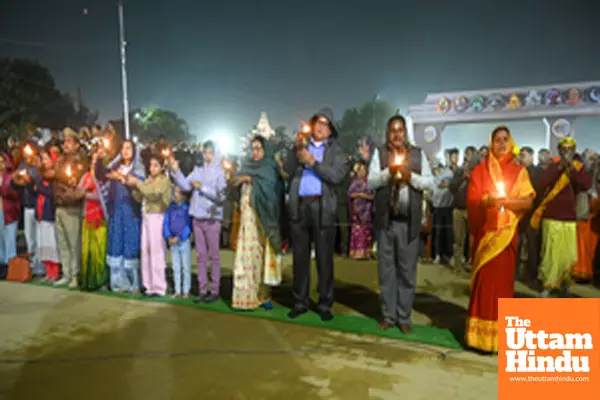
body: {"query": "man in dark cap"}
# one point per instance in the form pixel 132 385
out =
pixel 399 173
pixel 315 168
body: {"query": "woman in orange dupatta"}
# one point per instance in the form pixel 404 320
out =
pixel 498 195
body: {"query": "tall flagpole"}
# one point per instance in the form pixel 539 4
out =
pixel 123 44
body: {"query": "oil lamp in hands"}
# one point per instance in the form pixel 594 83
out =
pixel 501 193
pixel 69 173
pixel 397 165
pixel 303 138
pixel 28 151
pixel 228 167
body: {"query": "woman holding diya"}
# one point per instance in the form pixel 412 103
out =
pixel 498 195
pixel 94 231
pixel 124 216
pixel 257 265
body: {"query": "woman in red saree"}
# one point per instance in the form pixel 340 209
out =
pixel 498 195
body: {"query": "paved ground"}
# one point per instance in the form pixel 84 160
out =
pixel 95 347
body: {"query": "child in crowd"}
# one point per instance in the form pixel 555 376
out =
pixel 45 215
pixel 156 194
pixel 177 231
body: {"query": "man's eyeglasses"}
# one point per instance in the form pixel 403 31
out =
pixel 323 120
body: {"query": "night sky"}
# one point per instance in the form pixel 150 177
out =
pixel 219 63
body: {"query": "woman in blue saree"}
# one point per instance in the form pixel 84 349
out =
pixel 122 205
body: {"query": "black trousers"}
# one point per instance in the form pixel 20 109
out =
pixel 343 229
pixel 442 232
pixel 304 232
pixel 534 248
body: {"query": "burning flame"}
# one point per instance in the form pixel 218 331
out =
pixel 305 129
pixel 227 164
pixel 28 150
pixel 68 171
pixel 23 172
pixel 500 189
pixel 399 159
pixel 106 143
pixel 166 152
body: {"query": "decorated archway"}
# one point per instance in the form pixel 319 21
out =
pixel 558 106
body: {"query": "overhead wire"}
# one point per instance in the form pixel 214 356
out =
pixel 57 45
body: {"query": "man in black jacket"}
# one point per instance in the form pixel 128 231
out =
pixel 315 168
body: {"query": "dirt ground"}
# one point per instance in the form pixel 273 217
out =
pixel 72 345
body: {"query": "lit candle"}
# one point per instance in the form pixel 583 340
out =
pixel 166 153
pixel 68 171
pixel 398 160
pixel 500 189
pixel 23 172
pixel 501 193
pixel 28 150
pixel 106 143
pixel 227 165
pixel 304 136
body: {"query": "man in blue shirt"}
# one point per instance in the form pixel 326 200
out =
pixel 315 168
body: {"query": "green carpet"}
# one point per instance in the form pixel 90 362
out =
pixel 344 323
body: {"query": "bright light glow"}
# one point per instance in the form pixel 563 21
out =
pixel 223 142
pixel 441 157
pixel 135 139
pixel 500 188
pixel 398 159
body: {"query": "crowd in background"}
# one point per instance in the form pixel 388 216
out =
pixel 100 213
pixel 445 230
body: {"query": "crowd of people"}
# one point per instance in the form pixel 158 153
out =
pixel 100 213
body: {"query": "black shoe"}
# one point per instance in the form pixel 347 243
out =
pixel 211 298
pixel 326 316
pixel 295 313
pixel 201 298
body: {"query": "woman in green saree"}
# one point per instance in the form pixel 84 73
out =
pixel 94 273
pixel 257 265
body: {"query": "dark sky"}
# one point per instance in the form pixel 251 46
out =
pixel 219 63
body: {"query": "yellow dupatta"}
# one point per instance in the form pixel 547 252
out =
pixel 494 242
pixel 561 183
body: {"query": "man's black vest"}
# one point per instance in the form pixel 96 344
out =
pixel 383 200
